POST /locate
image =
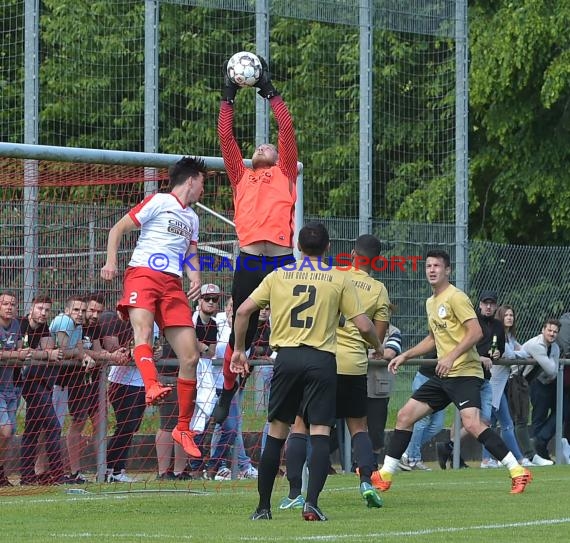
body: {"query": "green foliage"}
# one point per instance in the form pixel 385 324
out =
pixel 12 63
pixel 92 95
pixel 520 89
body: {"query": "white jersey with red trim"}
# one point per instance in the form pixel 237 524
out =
pixel 167 230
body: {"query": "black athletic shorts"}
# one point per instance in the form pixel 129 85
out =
pixel 249 272
pixel 438 393
pixel 304 383
pixel 351 396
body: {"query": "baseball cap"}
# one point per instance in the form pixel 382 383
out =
pixel 488 295
pixel 210 288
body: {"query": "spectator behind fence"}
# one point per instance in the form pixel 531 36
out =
pixel 171 458
pixel 125 393
pixel 563 340
pixel 542 379
pixel 517 388
pixel 261 350
pixel 37 387
pixel 426 428
pixel 501 413
pixel 67 332
pixel 380 384
pixel 226 434
pixel 10 350
pixel 207 334
pixel 83 384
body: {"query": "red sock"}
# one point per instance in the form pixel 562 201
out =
pixel 145 364
pixel 186 402
pixel 229 376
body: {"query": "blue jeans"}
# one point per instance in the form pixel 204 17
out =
pixel 486 401
pixel 9 400
pixel 424 429
pixel 503 416
pixel 228 437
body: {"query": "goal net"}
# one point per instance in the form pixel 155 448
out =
pixel 68 221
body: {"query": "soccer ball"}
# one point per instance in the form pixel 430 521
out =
pixel 244 69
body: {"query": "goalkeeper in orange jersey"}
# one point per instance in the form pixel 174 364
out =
pixel 264 201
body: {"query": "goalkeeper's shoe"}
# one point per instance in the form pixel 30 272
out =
pixel 520 482
pixel 186 439
pixel 156 394
pixel 222 409
pixel 371 496
pixel 380 483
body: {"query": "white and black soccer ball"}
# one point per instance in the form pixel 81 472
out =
pixel 244 69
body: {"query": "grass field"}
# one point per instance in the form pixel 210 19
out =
pixel 466 505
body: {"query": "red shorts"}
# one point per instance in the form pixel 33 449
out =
pixel 157 292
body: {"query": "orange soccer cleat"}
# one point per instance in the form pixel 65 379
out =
pixel 186 439
pixel 520 482
pixel 156 394
pixel 379 483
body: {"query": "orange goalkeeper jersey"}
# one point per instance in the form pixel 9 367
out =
pixel 264 199
pixel 264 207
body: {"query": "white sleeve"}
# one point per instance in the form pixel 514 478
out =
pixel 149 208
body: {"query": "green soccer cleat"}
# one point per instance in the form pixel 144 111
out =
pixel 369 493
pixel 292 503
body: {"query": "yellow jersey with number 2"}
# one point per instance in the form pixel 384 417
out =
pixel 306 303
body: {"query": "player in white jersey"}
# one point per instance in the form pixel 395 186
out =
pixel 152 285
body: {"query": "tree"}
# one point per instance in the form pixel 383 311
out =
pixel 520 121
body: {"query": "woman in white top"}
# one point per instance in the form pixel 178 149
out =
pixel 499 378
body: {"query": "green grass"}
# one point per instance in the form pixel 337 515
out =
pixel 467 505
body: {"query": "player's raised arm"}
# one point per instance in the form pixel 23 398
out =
pixel 287 142
pixel 233 161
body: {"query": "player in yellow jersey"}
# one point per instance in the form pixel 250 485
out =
pixel 352 368
pixel 305 302
pixel 453 331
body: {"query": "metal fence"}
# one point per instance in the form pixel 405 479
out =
pixel 72 244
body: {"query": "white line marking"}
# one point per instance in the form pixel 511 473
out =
pixel 332 537
pixel 408 533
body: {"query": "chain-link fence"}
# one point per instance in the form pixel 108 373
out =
pixel 72 245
